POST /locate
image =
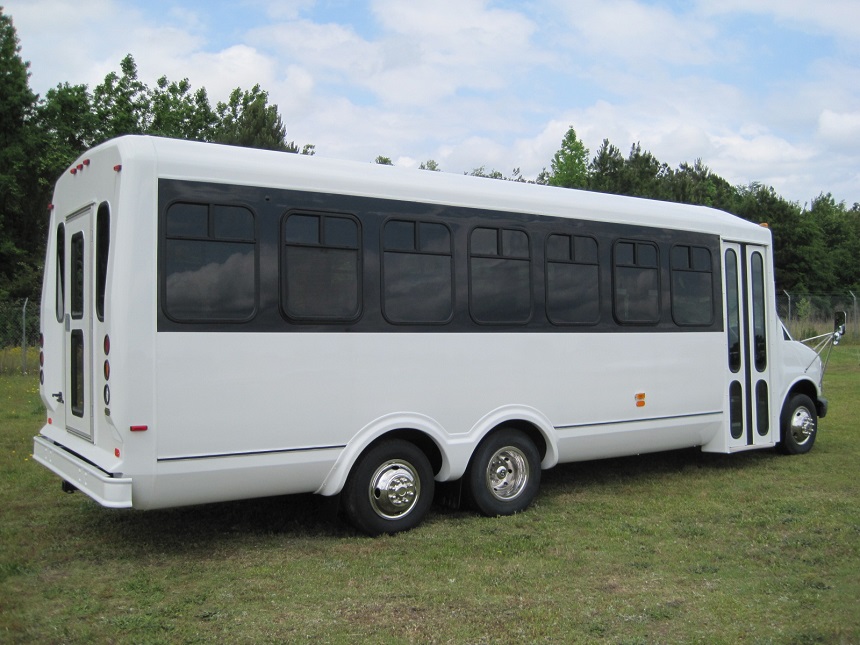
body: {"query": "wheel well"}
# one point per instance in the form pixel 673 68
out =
pixel 801 387
pixel 422 441
pixel 530 430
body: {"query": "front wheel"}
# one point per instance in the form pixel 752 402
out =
pixel 799 425
pixel 504 474
pixel 390 488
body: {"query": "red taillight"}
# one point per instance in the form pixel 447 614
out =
pixel 41 340
pixel 107 370
pixel 139 428
pixel 107 344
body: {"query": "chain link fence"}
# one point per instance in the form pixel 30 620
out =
pixel 811 314
pixel 19 336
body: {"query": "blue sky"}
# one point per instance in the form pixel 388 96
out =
pixel 760 90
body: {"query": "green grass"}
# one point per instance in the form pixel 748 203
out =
pixel 676 547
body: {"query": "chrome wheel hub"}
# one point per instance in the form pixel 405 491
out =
pixel 507 473
pixel 802 425
pixel 394 489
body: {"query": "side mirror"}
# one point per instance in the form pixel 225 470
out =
pixel 839 323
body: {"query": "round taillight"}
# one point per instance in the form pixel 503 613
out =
pixel 107 370
pixel 107 344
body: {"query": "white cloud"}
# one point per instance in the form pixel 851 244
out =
pixel 478 82
pixel 840 130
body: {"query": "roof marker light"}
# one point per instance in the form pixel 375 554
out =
pixel 74 171
pixel 86 162
pixel 117 167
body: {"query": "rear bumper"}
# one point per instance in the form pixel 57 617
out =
pixel 112 492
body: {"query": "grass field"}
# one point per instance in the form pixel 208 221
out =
pixel 676 547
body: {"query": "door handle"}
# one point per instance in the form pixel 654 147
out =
pixel 58 396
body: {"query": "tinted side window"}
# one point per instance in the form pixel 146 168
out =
pixel 321 267
pixel 692 286
pixel 210 266
pixel 61 272
pixel 636 283
pixel 417 270
pixel 499 276
pixel 572 280
pixel 759 311
pixel 102 252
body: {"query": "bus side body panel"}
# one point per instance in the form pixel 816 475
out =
pixel 196 412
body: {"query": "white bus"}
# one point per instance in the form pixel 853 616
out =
pixel 220 323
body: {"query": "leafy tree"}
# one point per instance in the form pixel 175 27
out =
pixel 17 152
pixel 643 175
pixel 67 126
pixel 122 103
pixel 247 119
pixel 570 163
pixel 430 165
pixel 180 114
pixel 605 170
pixel 383 161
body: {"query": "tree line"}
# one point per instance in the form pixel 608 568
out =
pixel 816 248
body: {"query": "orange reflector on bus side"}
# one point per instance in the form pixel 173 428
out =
pixel 640 399
pixel 139 428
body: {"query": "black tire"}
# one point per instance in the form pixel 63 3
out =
pixel 798 424
pixel 390 488
pixel 503 477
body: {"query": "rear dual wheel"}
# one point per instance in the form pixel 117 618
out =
pixel 390 489
pixel 504 475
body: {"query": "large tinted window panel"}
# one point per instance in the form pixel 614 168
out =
pixel 209 280
pixel 692 286
pixel 637 295
pixel 321 283
pixel 418 288
pixel 572 293
pixel 636 283
pixel 500 290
